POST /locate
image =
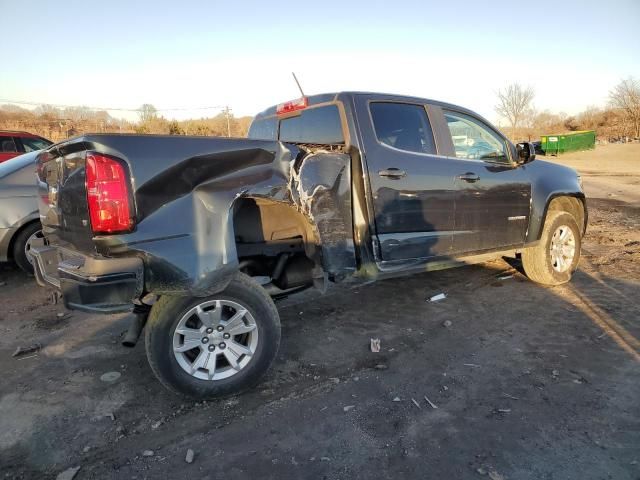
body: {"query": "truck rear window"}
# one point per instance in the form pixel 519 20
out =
pixel 320 125
pixel 314 125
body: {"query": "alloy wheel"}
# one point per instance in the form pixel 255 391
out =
pixel 215 339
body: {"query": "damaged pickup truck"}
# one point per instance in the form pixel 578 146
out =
pixel 200 235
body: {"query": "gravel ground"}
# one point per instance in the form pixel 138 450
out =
pixel 525 382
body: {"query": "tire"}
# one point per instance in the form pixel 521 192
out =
pixel 177 371
pixel 21 244
pixel 538 261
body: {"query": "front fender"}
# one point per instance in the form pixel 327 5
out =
pixel 549 181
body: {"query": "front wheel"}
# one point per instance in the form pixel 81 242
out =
pixel 213 346
pixel 554 259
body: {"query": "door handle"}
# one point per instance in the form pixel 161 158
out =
pixel 392 173
pixel 469 177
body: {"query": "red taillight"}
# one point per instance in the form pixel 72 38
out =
pixel 108 195
pixel 292 106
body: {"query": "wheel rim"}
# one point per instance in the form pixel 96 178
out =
pixel 562 249
pixel 36 238
pixel 215 339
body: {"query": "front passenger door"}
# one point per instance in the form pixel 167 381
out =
pixel 493 192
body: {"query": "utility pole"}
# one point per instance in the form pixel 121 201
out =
pixel 227 113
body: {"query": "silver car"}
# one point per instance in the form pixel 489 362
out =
pixel 19 218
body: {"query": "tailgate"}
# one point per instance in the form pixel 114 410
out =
pixel 62 197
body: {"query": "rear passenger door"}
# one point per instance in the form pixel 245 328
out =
pixel 413 189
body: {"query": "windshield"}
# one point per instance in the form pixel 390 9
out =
pixel 17 163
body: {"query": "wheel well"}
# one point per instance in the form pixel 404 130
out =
pixel 274 240
pixel 15 235
pixel 571 205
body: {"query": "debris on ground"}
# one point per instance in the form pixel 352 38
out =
pixel 415 402
pixel 505 277
pixel 325 459
pixel 481 471
pixel 111 416
pixel 349 407
pixel 375 345
pixel 68 474
pixel 110 376
pixel 438 297
pixel 396 399
pixel 147 453
pixel 86 449
pixel 156 425
pixel 493 475
pixel 25 350
pixel 447 323
pixel 555 373
pixel 189 457
pixel 433 405
pixel 381 366
pixel 503 410
pixel 475 365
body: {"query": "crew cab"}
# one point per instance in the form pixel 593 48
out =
pixel 200 235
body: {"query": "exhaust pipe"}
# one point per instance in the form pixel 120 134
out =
pixel 140 314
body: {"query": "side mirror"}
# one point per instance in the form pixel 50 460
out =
pixel 526 152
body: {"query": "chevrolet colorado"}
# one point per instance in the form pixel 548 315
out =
pixel 199 235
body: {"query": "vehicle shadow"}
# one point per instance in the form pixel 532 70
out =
pixel 566 352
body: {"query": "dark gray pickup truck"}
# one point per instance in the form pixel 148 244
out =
pixel 199 235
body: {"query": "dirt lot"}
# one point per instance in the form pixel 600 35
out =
pixel 529 382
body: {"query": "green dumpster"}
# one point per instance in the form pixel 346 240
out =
pixel 568 142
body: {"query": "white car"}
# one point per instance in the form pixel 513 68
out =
pixel 20 227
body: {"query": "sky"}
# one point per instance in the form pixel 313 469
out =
pixel 192 55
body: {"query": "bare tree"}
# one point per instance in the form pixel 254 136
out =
pixel 590 118
pixel 147 112
pixel 626 97
pixel 514 104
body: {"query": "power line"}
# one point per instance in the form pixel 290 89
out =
pixel 118 109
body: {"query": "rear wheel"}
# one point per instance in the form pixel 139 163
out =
pixel 554 259
pixel 213 346
pixel 29 236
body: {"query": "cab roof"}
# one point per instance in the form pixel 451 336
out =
pixel 346 95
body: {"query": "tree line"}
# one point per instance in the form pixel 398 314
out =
pixel 60 123
pixel 619 119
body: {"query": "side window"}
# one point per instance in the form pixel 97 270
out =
pixel 31 144
pixel 475 140
pixel 403 126
pixel 7 145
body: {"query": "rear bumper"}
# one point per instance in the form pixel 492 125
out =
pixel 90 284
